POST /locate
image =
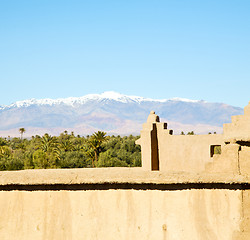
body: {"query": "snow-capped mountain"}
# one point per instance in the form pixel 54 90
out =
pixel 72 101
pixel 112 112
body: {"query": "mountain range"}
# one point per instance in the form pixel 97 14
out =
pixel 113 113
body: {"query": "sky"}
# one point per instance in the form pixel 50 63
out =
pixel 156 49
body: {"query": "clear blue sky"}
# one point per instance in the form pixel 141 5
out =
pixel 157 49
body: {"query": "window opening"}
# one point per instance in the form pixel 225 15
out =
pixel 215 149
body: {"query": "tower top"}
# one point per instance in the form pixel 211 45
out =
pixel 153 118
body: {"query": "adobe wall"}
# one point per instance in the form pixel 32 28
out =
pixel 189 153
pixel 186 153
pixel 163 151
pixel 120 214
pixel 122 204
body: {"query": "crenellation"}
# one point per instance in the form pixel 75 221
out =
pixel 196 153
pixel 152 118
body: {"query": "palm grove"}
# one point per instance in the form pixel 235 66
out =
pixel 69 151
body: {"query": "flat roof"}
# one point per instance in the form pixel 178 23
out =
pixel 113 175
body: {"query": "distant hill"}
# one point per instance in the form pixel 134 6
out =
pixel 111 112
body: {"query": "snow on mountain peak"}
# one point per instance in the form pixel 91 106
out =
pixel 184 100
pixel 112 95
pixel 109 95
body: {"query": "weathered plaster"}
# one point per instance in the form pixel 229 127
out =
pixel 120 214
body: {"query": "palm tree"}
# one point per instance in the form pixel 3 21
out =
pixel 94 145
pixel 66 145
pixel 22 131
pixel 47 143
pixel 95 142
pixel 5 151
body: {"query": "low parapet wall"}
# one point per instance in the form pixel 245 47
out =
pixel 121 203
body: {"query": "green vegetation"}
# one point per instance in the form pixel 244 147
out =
pixel 22 131
pixel 217 149
pixel 69 151
pixel 189 133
